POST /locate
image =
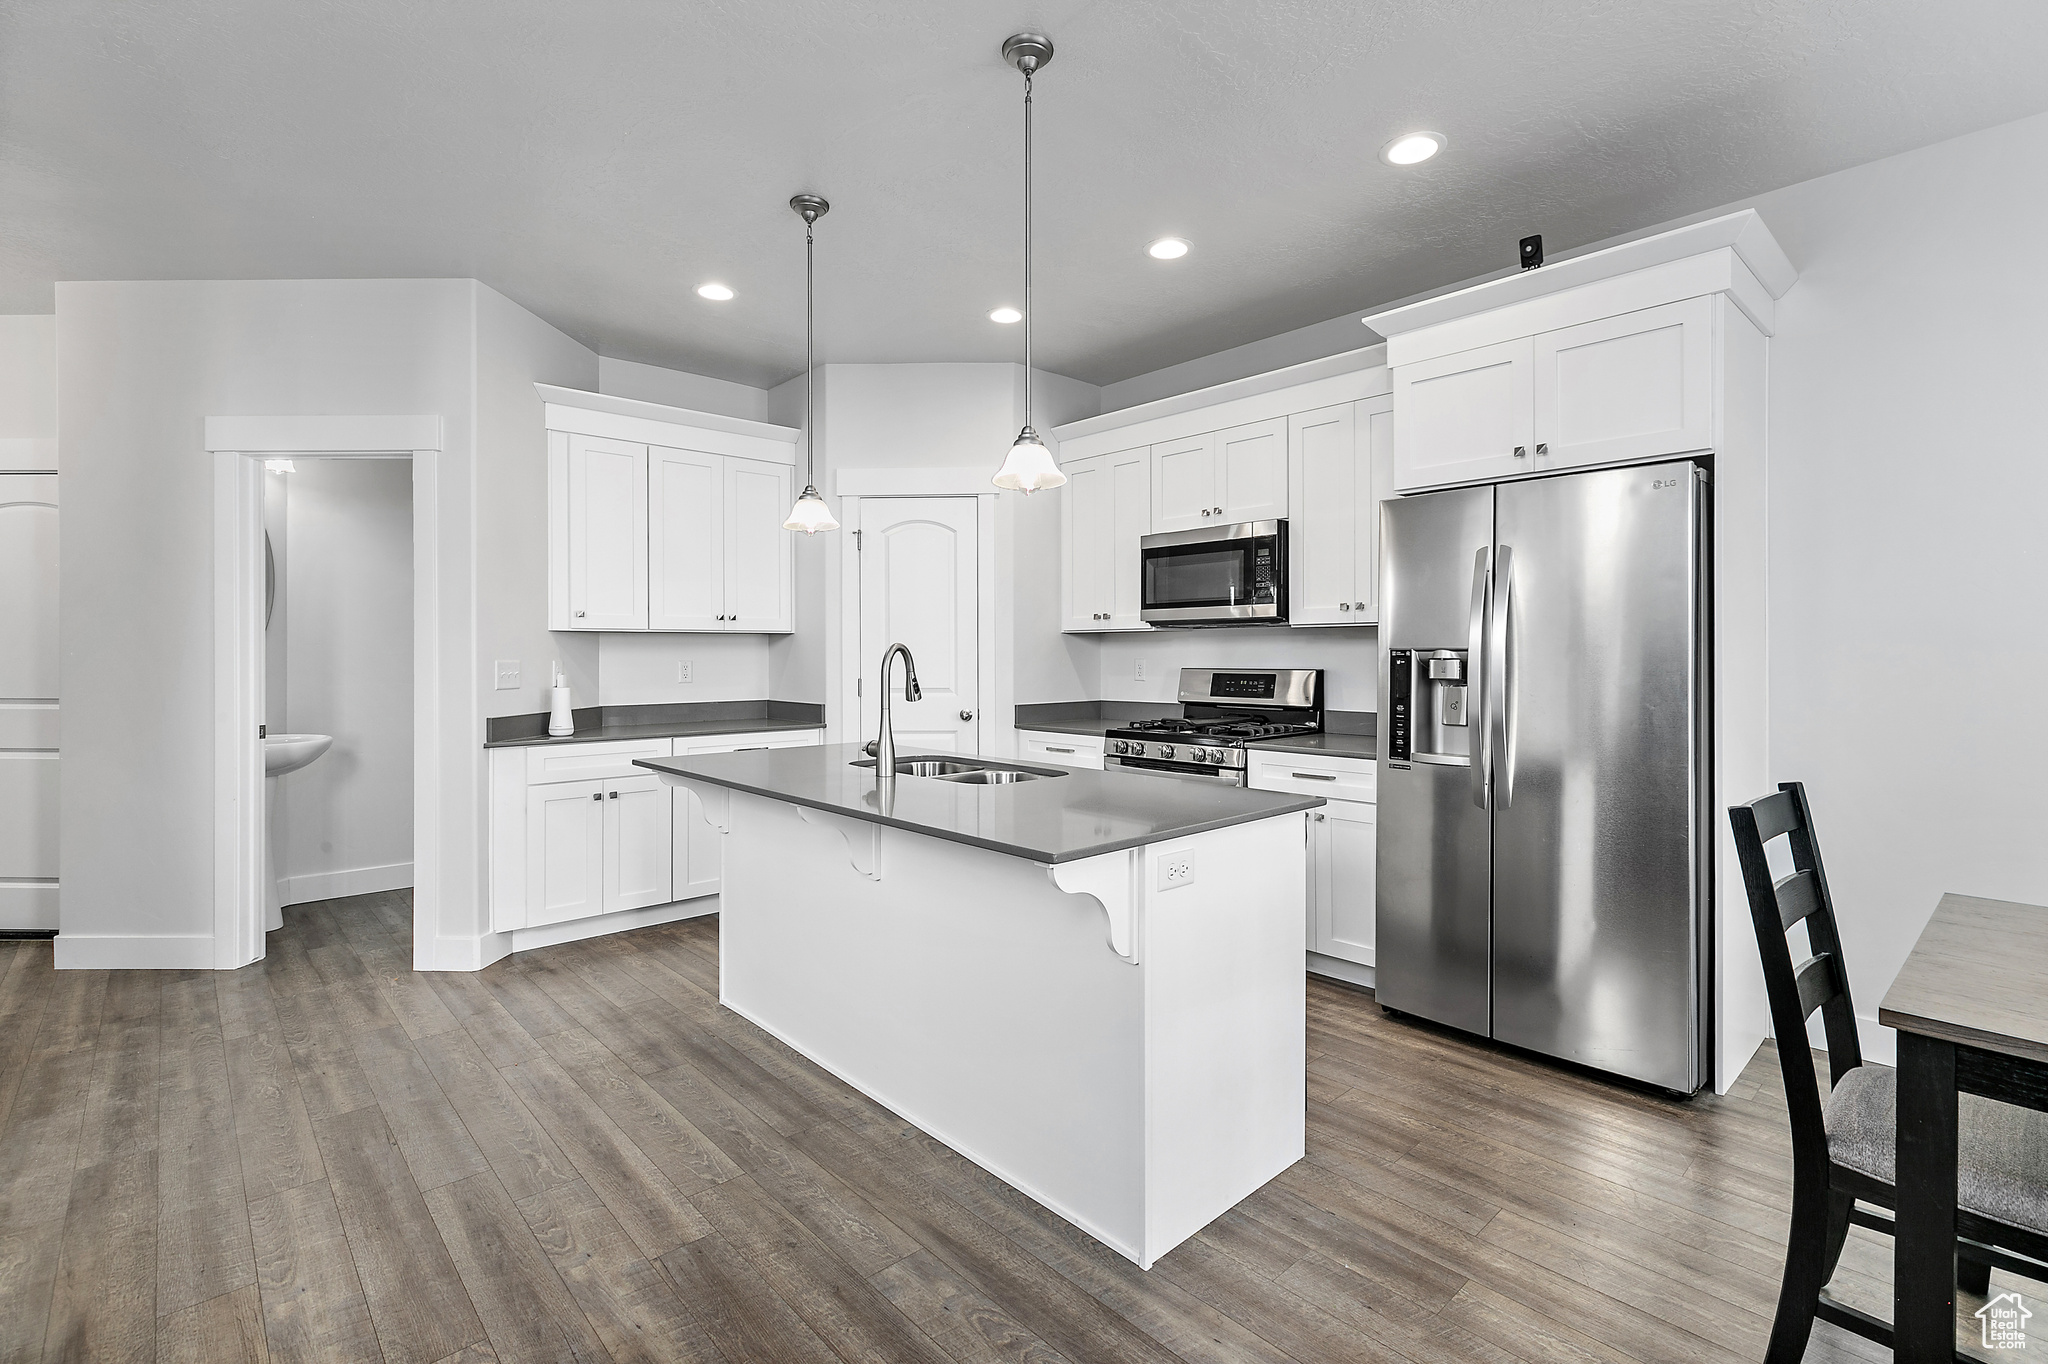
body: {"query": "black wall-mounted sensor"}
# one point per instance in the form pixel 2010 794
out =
pixel 1532 252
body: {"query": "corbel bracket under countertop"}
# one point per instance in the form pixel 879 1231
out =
pixel 716 800
pixel 863 838
pixel 1115 881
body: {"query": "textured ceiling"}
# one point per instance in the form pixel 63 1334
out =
pixel 597 161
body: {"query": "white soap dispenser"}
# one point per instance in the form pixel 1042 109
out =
pixel 561 721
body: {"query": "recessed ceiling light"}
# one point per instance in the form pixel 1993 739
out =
pixel 717 293
pixel 1412 148
pixel 1167 248
pixel 1005 315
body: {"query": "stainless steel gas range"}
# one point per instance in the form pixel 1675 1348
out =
pixel 1221 711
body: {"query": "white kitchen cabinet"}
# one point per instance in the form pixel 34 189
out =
pixel 636 843
pixel 1221 477
pixel 1637 386
pixel 605 564
pixel 685 540
pixel 668 524
pixel 565 846
pixel 1341 875
pixel 760 556
pixel 1106 510
pixel 696 855
pixel 1465 417
pixel 1184 483
pixel 1339 461
pixel 1064 750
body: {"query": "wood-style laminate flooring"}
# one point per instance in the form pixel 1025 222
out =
pixel 578 1155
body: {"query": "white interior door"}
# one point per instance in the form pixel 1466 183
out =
pixel 685 540
pixel 607 534
pixel 28 701
pixel 760 556
pixel 920 586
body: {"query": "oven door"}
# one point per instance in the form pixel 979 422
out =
pixel 1151 767
pixel 1218 575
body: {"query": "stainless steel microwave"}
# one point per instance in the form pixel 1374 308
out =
pixel 1216 575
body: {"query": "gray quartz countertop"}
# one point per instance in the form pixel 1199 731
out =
pixel 673 729
pixel 1056 819
pixel 1365 746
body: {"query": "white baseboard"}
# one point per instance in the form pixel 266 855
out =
pixel 28 904
pixel 332 885
pixel 1336 968
pixel 134 952
pixel 575 930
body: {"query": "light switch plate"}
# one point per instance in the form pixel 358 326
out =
pixel 508 674
pixel 683 671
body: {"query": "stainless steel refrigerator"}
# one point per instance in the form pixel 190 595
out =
pixel 1544 843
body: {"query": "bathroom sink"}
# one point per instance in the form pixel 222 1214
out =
pixel 284 753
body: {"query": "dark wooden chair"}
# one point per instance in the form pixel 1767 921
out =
pixel 1844 1144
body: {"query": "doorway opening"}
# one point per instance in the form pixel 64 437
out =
pixel 325 624
pixel 337 679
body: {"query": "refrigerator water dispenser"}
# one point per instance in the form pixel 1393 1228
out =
pixel 1429 702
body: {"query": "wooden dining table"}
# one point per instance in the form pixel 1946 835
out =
pixel 1971 1009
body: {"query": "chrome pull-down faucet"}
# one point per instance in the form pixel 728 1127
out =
pixel 885 742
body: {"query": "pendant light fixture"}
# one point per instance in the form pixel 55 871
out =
pixel 810 514
pixel 1030 465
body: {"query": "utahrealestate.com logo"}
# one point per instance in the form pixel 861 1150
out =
pixel 2005 1322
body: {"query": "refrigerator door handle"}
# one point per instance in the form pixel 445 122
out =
pixel 1482 761
pixel 1500 709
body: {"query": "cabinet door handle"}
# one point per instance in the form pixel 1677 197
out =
pixel 1219 511
pixel 579 614
pixel 1542 447
pixel 597 795
pixel 1358 606
pixel 1205 511
pixel 615 795
pixel 1315 776
pixel 1343 606
pixel 1521 452
pixel 1050 749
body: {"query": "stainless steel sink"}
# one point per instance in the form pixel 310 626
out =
pixel 967 771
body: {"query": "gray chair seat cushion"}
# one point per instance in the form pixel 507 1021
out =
pixel 2002 1151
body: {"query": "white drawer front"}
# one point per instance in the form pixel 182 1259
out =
pixel 733 743
pixel 1069 750
pixel 1314 774
pixel 587 762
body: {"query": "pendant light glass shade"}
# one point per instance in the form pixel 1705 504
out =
pixel 810 514
pixel 1030 466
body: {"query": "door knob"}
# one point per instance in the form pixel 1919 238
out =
pixel 967 715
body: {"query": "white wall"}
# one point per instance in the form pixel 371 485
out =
pixel 1349 657
pixel 1909 477
pixel 648 383
pixel 28 378
pixel 641 669
pixel 143 364
pixel 344 611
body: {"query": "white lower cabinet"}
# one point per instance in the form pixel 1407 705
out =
pixel 579 832
pixel 1340 918
pixel 1341 845
pixel 1066 750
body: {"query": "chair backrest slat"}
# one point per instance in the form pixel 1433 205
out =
pixel 1817 983
pixel 1821 983
pixel 1797 896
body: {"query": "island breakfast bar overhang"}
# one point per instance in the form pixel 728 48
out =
pixel 1089 985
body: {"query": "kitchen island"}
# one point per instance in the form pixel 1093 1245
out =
pixel 1088 983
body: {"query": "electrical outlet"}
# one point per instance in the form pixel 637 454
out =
pixel 508 674
pixel 1176 870
pixel 1139 671
pixel 683 671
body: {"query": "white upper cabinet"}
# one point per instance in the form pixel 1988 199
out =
pixel 1339 467
pixel 686 540
pixel 1239 474
pixel 1465 417
pixel 1184 484
pixel 680 529
pixel 606 559
pixel 1638 386
pixel 1251 472
pixel 1107 509
pixel 760 556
